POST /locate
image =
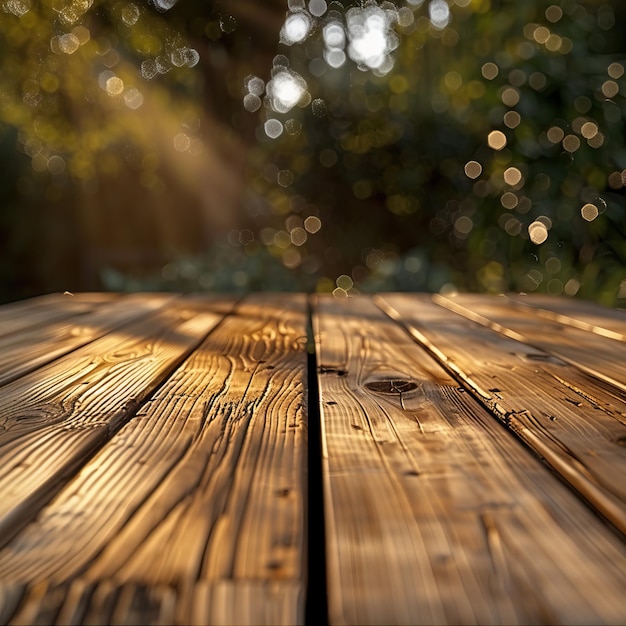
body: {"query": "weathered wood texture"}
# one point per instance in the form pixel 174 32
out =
pixel 153 460
pixel 34 312
pixel 192 509
pixel 578 313
pixel 575 422
pixel 435 514
pixel 54 418
pixel 26 350
pixel 600 356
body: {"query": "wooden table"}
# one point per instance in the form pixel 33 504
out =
pixel 395 459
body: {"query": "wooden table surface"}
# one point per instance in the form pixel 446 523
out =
pixel 280 459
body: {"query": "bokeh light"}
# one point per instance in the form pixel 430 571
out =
pixel 342 147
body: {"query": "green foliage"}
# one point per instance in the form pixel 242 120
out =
pixel 417 191
pixel 484 152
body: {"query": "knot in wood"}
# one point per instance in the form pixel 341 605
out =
pixel 391 386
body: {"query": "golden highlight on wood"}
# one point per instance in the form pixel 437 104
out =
pixel 468 460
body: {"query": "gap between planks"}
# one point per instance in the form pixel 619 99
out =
pixel 57 416
pixel 493 528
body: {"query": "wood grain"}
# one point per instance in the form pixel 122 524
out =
pixel 561 413
pixel 205 486
pixel 602 357
pixel 153 460
pixel 581 314
pixel 435 514
pixel 24 351
pixel 227 603
pixel 34 312
pixel 53 419
pixel 11 595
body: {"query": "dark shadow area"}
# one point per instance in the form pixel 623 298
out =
pixel 316 599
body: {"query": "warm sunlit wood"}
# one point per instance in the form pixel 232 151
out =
pixel 589 351
pixel 18 316
pixel 574 422
pixel 203 486
pixel 578 313
pixel 156 460
pixel 54 418
pixel 26 350
pixel 435 514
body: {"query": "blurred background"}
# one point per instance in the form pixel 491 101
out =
pixel 330 146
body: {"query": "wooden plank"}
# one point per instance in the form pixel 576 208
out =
pixel 33 312
pixel 39 607
pixel 205 485
pixel 435 513
pixel 258 603
pixel 228 603
pixel 602 357
pixel 565 416
pixel 578 313
pixel 11 595
pixel 53 419
pixel 24 351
